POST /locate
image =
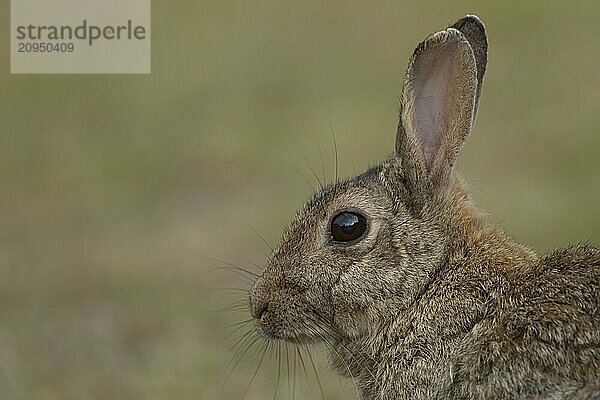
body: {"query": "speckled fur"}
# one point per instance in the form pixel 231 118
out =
pixel 433 303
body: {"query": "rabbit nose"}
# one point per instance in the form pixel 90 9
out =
pixel 258 306
pixel 258 299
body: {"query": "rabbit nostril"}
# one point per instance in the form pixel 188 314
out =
pixel 259 309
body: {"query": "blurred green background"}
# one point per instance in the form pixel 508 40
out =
pixel 117 191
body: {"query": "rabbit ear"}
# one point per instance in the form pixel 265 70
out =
pixel 437 108
pixel 474 31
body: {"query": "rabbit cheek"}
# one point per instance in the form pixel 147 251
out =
pixel 363 294
pixel 350 311
pixel 352 323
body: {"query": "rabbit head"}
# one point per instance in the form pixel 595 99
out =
pixel 363 249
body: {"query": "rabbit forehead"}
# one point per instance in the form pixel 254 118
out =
pixel 369 199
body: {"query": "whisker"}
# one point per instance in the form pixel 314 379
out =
pixel 237 358
pixel 322 163
pixel 231 290
pixel 236 303
pixel 294 377
pixel 226 262
pixel 328 327
pixel 263 252
pixel 234 331
pixel 240 349
pixel 238 323
pixel 352 354
pixel 260 267
pixel 240 274
pixel 255 371
pixel 335 147
pixel 241 345
pixel 332 347
pixel 235 308
pixel 235 266
pixel 306 180
pixel 312 362
pixel 278 371
pixel 263 239
pixel 287 362
pixel 314 173
pixel 302 362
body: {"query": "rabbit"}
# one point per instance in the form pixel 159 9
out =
pixel 413 294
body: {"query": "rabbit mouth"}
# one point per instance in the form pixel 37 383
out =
pixel 293 329
pixel 292 338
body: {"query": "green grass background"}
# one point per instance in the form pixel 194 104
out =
pixel 115 190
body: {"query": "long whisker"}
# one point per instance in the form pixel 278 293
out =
pixel 246 340
pixel 294 377
pixel 235 308
pixel 314 173
pixel 335 147
pixel 243 346
pixel 240 341
pixel 233 266
pixel 231 289
pixel 332 347
pixel 238 323
pixel 263 239
pixel 322 163
pixel 235 304
pixel 260 267
pixel 264 350
pixel 329 327
pixel 241 274
pixel 298 348
pixel 226 262
pixel 278 371
pixel 312 362
pixel 235 330
pixel 263 252
pixel 306 180
pixel 287 362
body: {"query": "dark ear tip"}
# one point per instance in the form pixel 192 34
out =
pixel 470 21
pixel 471 24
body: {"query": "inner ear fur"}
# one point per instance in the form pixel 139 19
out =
pixel 438 106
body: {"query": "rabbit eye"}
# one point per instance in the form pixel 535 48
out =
pixel 348 226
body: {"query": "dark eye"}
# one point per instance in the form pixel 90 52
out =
pixel 348 226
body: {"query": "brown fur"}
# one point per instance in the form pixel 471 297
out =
pixel 433 303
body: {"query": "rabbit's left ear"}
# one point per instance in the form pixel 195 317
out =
pixel 439 102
